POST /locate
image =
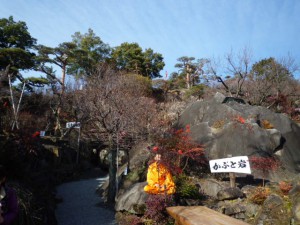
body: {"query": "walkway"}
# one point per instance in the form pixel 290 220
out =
pixel 81 205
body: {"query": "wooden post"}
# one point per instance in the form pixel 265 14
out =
pixel 78 146
pixel 232 179
pixel 231 175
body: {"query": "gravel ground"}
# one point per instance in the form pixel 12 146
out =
pixel 81 205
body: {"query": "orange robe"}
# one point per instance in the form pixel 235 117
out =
pixel 159 180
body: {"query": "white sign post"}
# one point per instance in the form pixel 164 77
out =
pixel 238 164
pixel 73 125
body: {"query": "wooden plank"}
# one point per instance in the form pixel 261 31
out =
pixel 200 215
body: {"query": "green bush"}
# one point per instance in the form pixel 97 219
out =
pixel 196 91
pixel 186 188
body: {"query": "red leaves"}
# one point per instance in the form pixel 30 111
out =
pixel 187 129
pixel 36 134
pixel 183 144
pixel 241 119
pixel 179 145
pixel 155 149
pixel 264 163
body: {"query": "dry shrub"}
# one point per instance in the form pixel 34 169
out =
pixel 128 219
pixel 259 195
pixel 218 124
pixel 285 187
pixel 156 212
pixel 266 124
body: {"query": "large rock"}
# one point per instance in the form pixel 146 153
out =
pixel 274 211
pixel 211 187
pixel 248 190
pixel 242 130
pixel 273 202
pixel 230 193
pixel 132 200
pixel 232 208
pixel 131 196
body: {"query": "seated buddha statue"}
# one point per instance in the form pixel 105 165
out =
pixel 159 178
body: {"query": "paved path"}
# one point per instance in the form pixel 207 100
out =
pixel 81 205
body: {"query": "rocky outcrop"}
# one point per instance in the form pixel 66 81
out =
pixel 233 129
pixel 242 130
pixel 132 200
pixel 237 209
pixel 131 196
pixel 275 209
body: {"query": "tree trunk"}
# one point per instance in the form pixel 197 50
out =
pixel 63 78
pixel 58 123
pixel 188 77
pixel 112 172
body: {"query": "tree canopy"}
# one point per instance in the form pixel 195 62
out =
pixel 131 58
pixel 271 70
pixel 60 56
pixel 90 50
pixel 16 45
pixel 17 48
pixel 269 78
pixel 190 71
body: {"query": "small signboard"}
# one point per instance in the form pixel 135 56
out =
pixel 73 124
pixel 238 164
pixel 42 133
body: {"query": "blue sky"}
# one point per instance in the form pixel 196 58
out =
pixel 174 28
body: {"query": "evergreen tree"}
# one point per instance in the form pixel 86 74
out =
pixel 130 57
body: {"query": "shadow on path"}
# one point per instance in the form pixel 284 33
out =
pixel 81 205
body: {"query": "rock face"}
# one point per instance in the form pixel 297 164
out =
pixel 132 200
pixel 242 130
pixel 131 196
